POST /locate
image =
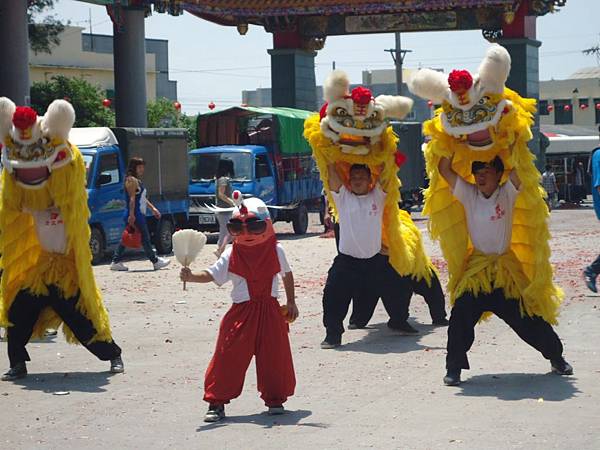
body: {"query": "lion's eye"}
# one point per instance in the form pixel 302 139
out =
pixel 341 112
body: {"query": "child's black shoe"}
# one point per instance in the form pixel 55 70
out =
pixel 215 413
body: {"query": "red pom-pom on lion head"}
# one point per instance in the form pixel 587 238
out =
pixel 24 117
pixel 460 81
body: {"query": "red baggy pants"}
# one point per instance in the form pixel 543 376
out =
pixel 253 328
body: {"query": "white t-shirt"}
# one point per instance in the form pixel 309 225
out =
pixel 489 219
pixel 50 229
pixel 360 218
pixel 240 293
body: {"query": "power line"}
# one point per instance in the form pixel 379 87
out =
pixel 221 69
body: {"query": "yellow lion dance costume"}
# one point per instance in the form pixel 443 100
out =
pixel 45 235
pixel 353 129
pixel 477 121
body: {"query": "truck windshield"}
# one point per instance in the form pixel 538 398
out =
pixel 203 167
pixel 87 160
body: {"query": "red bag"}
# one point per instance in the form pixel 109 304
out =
pixel 132 237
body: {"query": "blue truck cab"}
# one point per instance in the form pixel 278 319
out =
pixel 269 157
pixel 106 152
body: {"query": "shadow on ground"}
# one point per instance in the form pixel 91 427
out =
pixel 49 383
pixel 520 386
pixel 380 340
pixel 264 420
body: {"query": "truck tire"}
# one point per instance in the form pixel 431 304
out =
pixel 300 220
pixel 97 245
pixel 164 236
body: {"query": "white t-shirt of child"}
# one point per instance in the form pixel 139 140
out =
pixel 240 293
pixel 489 219
pixel 360 218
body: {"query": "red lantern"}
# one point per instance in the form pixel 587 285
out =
pixel 212 106
pixel 176 105
pixel 567 108
pixel 106 103
pixel 429 103
pixel 598 106
pixel 550 108
pixel 583 106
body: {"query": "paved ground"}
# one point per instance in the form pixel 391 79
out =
pixel 377 391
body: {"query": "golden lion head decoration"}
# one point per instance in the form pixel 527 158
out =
pixel 355 120
pixel 35 146
pixel 472 106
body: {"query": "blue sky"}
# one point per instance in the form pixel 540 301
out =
pixel 215 63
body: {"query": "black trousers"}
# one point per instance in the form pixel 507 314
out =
pixel 466 313
pixel 345 278
pixel 24 313
pixel 396 297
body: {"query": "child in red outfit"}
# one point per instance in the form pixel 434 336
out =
pixel 255 325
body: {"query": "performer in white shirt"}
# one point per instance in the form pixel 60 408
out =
pixel 489 209
pixel 359 261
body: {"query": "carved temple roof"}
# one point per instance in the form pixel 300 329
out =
pixel 311 7
pixel 320 18
pixel 252 8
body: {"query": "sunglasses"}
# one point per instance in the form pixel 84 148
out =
pixel 236 227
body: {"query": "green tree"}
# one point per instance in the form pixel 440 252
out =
pixel 85 98
pixel 43 34
pixel 163 114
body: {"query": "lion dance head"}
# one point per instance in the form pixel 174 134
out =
pixel 35 146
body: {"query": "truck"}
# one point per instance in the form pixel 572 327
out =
pixel 412 173
pixel 271 160
pixel 106 152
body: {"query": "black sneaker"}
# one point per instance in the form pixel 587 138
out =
pixel 405 329
pixel 561 367
pixel 452 377
pixel 331 342
pixel 590 280
pixel 116 365
pixel 275 410
pixel 215 413
pixel 15 373
pixel 353 326
pixel 443 322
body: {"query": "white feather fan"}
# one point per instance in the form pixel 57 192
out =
pixel 187 244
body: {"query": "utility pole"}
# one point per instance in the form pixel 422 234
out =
pixel 91 31
pixel 398 55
